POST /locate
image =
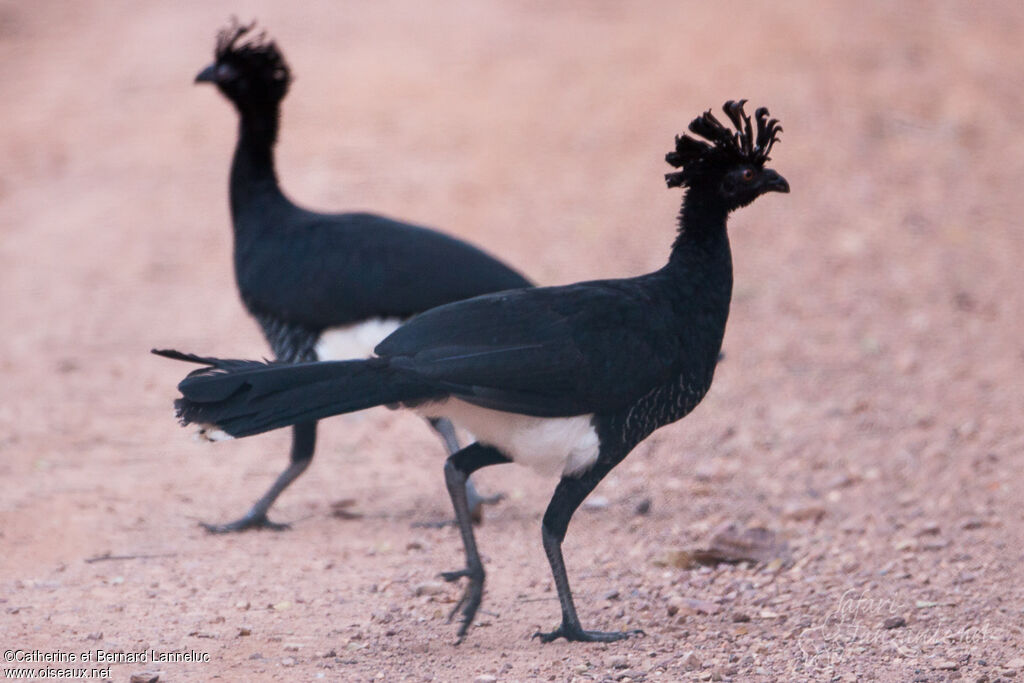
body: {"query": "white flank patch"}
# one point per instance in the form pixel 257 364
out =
pixel 354 341
pixel 548 445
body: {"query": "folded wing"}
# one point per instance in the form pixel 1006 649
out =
pixel 550 352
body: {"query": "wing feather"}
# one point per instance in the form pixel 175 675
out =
pixel 556 351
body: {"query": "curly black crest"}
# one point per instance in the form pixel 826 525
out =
pixel 727 146
pixel 255 53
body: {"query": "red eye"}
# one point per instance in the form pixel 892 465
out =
pixel 747 175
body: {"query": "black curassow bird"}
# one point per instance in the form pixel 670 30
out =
pixel 323 286
pixel 564 379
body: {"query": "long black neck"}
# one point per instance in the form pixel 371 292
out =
pixel 696 285
pixel 701 226
pixel 699 273
pixel 253 178
pixel 701 247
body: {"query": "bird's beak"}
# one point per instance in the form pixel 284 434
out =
pixel 208 75
pixel 773 182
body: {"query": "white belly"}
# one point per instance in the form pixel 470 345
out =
pixel 354 341
pixel 549 445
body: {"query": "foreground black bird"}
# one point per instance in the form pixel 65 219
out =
pixel 563 379
pixel 323 286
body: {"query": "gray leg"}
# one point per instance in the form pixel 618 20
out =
pixel 446 430
pixel 457 469
pixel 303 445
pixel 568 496
pixel 451 442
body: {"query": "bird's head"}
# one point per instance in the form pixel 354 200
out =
pixel 729 167
pixel 248 68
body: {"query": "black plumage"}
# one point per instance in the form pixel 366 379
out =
pixel 301 273
pixel 604 362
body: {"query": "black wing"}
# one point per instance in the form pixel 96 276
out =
pixel 592 347
pixel 327 270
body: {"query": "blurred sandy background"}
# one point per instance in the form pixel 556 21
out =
pixel 868 410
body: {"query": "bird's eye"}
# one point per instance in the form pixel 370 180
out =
pixel 226 72
pixel 747 175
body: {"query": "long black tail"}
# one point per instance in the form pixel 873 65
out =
pixel 244 397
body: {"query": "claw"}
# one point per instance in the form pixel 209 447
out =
pixel 578 635
pixel 470 600
pixel 458 605
pixel 258 522
pixel 455 575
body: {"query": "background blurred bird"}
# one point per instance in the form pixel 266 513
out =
pixel 324 286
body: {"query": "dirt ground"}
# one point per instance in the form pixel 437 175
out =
pixel 868 411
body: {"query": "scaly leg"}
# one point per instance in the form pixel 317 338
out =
pixel 567 497
pixel 446 430
pixel 457 469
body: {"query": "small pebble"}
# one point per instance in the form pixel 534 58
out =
pixel 678 559
pixel 803 513
pixel 429 588
pixel 894 622
pixel 935 545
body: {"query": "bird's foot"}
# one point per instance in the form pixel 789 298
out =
pixel 455 575
pixel 258 521
pixel 469 603
pixel 578 635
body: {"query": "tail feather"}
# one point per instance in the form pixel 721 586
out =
pixel 243 398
